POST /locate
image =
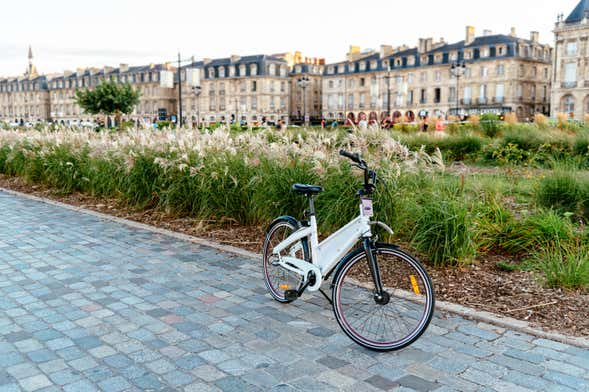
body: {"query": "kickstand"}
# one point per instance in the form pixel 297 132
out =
pixel 326 297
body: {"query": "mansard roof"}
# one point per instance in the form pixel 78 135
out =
pixel 578 13
pixel 479 42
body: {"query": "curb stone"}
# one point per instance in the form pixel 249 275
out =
pixel 463 311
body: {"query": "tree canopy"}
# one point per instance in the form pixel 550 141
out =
pixel 108 98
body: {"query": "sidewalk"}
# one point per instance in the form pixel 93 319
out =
pixel 88 304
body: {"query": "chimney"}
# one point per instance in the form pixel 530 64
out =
pixel 512 33
pixel 421 47
pixel 534 36
pixel 80 71
pixel 487 33
pixel 123 67
pixel 235 58
pixel 469 35
pixel 353 53
pixel 207 60
pixel 385 50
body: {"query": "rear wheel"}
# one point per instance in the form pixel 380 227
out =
pixel 398 316
pixel 278 279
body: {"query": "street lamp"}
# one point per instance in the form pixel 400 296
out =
pixel 388 77
pixel 304 82
pixel 458 69
pixel 197 90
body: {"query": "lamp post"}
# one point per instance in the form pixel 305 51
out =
pixel 388 77
pixel 457 69
pixel 197 90
pixel 304 82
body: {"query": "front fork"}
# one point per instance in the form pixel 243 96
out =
pixel 380 296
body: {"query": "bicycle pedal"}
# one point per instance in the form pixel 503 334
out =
pixel 291 295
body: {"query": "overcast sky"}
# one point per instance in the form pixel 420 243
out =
pixel 66 34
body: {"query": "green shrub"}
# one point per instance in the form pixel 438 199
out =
pixel 561 191
pixel 489 123
pixel 443 230
pixel 564 265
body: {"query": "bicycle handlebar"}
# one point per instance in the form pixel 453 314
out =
pixel 369 175
pixel 349 155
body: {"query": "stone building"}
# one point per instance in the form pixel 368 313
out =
pixel 25 98
pixel 249 89
pixel 306 83
pixel 570 79
pixel 156 102
pixel 501 73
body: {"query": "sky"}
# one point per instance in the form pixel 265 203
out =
pixel 66 34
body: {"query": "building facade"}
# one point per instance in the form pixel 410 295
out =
pixel 489 73
pixel 249 89
pixel 25 98
pixel 570 79
pixel 306 84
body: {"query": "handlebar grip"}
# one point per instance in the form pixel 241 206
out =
pixel 353 157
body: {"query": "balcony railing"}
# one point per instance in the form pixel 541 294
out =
pixel 586 83
pixel 466 101
pixel 482 101
pixel 568 85
pixel 498 99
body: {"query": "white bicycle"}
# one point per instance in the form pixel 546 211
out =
pixel 382 297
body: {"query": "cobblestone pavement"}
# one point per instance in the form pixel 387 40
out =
pixel 92 305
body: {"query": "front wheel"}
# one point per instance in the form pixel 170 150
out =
pixel 383 321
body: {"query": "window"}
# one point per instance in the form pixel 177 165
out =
pixel 438 76
pixel 231 71
pixel 362 82
pixel 350 101
pixel 351 83
pixel 272 69
pixel 423 77
pixel 452 94
pixel 254 86
pixel 571 49
pixel 483 93
pixel 500 70
pixel 520 91
pixel 499 92
pixel 253 69
pixel 242 70
pixel 254 103
pixel 341 68
pixel 423 96
pixel 437 95
pixel 282 87
pixel 410 78
pixel 467 94
pixel 330 84
pixel 485 52
pixel 521 70
pixel 362 66
pixel 484 72
pixel 362 101
pixel 221 72
pixel 568 104
pixel 340 101
pixel 331 102
pixel 570 72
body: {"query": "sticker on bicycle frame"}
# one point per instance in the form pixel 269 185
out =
pixel 367 210
pixel 414 284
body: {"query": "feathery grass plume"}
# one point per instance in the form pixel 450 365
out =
pixel 510 118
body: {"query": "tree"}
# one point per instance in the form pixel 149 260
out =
pixel 109 98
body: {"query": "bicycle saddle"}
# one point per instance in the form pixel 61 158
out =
pixel 304 189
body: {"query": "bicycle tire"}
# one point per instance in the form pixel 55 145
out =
pixel 395 324
pixel 276 278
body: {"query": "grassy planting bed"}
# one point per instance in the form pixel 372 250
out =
pixel 500 222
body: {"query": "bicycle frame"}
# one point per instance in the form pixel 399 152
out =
pixel 325 255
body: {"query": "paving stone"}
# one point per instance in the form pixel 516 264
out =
pixel 109 307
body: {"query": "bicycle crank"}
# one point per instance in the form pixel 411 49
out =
pixel 305 269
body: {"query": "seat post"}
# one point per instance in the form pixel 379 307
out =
pixel 311 205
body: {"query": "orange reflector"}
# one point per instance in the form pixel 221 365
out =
pixel 284 286
pixel 414 284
